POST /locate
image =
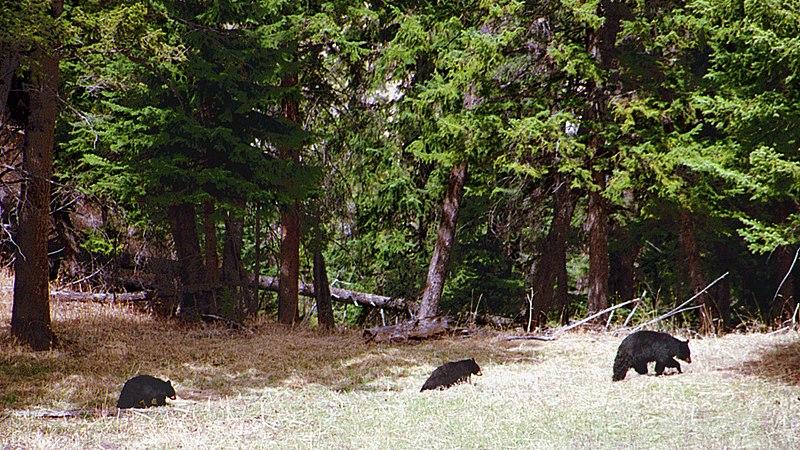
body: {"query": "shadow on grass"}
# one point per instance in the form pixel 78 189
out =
pixel 101 346
pixel 780 361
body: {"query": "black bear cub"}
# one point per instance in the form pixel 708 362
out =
pixel 642 347
pixel 143 391
pixel 451 373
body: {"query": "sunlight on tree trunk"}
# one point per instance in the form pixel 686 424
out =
pixel 437 271
pixel 30 317
pixel 597 218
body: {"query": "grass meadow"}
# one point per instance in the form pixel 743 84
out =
pixel 280 389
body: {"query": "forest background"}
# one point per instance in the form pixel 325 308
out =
pixel 535 160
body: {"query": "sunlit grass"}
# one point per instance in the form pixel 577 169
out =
pixel 276 388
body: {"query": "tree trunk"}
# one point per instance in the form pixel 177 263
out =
pixel 322 292
pixel 622 258
pixel 9 61
pixel 602 45
pixel 694 269
pixel 437 271
pixel 210 242
pixel 195 296
pixel 290 227
pixel 232 272
pixel 30 315
pixel 550 272
pixel 597 218
pixel 254 299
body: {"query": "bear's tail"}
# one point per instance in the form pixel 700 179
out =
pixel 621 366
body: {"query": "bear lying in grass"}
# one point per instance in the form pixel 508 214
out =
pixel 642 347
pixel 451 373
pixel 143 391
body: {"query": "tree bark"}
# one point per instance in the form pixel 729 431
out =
pixel 597 218
pixel 195 296
pixel 622 258
pixel 437 271
pixel 9 62
pixel 602 46
pixel 254 299
pixel 694 269
pixel 210 242
pixel 550 272
pixel 290 227
pixel 232 271
pixel 30 315
pixel 322 292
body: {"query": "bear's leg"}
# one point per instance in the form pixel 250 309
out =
pixel 659 368
pixel 641 368
pixel 672 363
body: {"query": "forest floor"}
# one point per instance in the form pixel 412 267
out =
pixel 275 388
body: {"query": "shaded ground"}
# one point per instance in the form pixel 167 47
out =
pixel 101 346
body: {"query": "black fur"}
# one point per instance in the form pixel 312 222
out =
pixel 451 373
pixel 642 347
pixel 143 391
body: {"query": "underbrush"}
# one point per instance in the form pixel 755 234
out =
pixel 272 387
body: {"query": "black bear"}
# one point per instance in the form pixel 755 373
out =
pixel 143 391
pixel 641 347
pixel 451 373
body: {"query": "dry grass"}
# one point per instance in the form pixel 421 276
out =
pixel 279 389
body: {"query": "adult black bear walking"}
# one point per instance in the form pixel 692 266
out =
pixel 143 391
pixel 451 373
pixel 642 347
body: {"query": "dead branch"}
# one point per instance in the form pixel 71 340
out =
pixel 563 330
pixel 677 309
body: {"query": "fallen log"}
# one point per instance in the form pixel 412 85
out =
pixel 264 282
pixel 102 297
pixel 344 295
pixel 411 330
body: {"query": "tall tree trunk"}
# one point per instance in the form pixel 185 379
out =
pixel 597 218
pixel 9 62
pixel 694 269
pixel 254 299
pixel 437 271
pixel 550 271
pixel 30 315
pixel 602 45
pixel 322 292
pixel 232 271
pixel 622 258
pixel 195 291
pixel 290 227
pixel 210 242
pixel 722 290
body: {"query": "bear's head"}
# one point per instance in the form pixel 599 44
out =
pixel 683 351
